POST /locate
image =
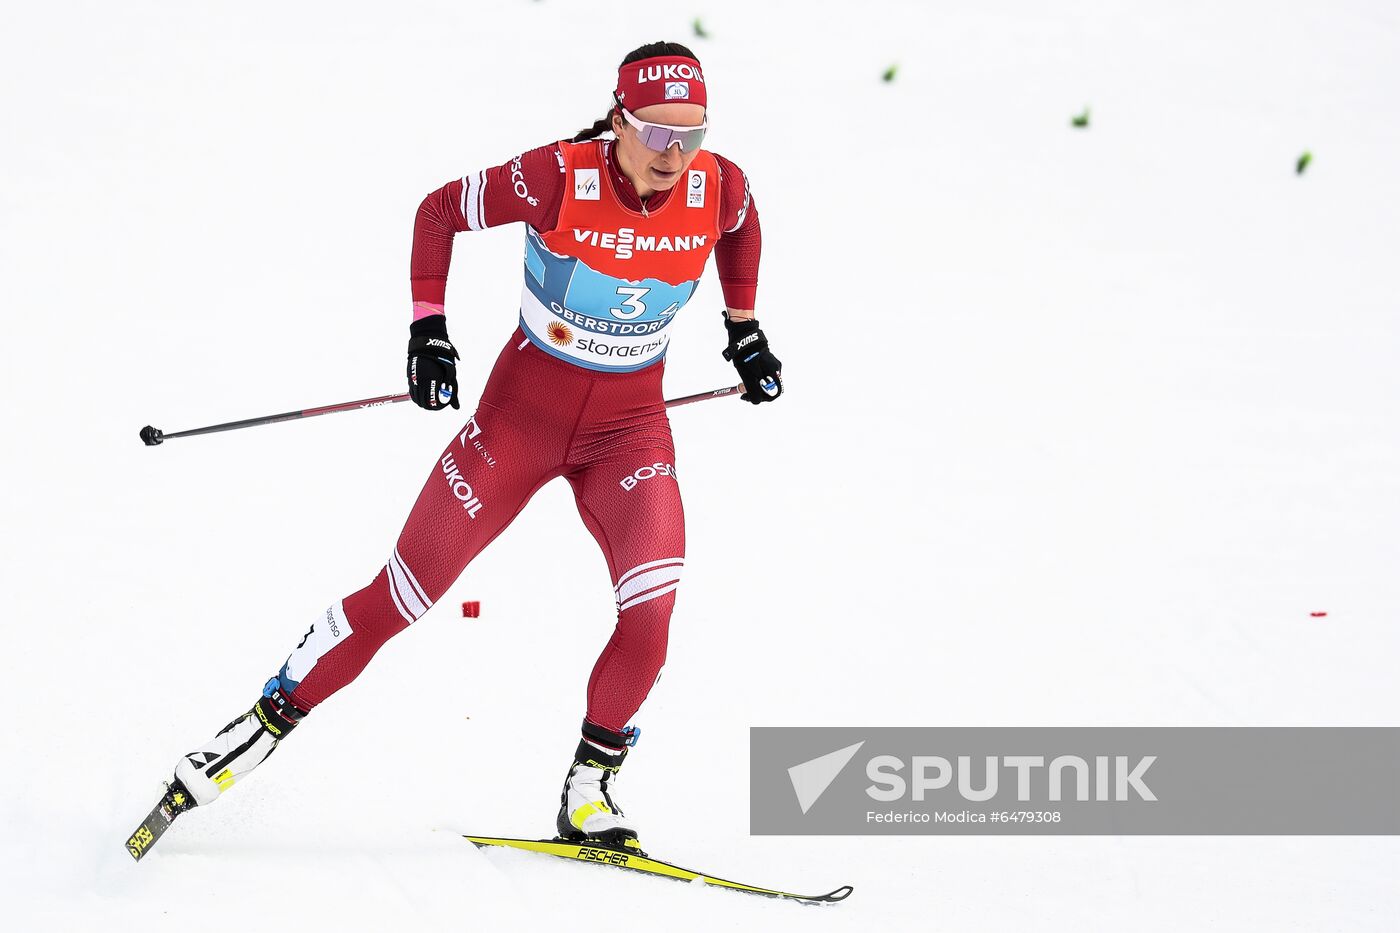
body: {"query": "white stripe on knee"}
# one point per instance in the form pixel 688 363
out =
pixel 648 581
pixel 410 599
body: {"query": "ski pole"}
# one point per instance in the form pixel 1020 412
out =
pixel 152 436
pixel 701 396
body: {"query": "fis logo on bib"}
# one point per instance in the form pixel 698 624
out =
pixel 586 184
pixel 695 189
pixel 625 242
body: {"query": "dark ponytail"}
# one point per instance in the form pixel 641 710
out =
pixel 650 50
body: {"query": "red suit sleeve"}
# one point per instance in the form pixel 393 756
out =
pixel 741 241
pixel 528 188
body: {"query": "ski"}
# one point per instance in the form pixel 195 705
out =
pixel 173 802
pixel 636 860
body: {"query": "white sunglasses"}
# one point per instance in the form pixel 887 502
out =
pixel 660 136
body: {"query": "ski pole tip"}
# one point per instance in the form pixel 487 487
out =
pixel 151 436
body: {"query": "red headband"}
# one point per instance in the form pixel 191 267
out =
pixel 666 79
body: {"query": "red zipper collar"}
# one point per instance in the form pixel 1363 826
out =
pixel 627 192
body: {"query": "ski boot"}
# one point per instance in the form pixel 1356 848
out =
pixel 587 811
pixel 241 746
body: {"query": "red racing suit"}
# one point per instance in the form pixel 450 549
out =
pixel 576 392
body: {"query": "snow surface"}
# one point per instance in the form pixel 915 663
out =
pixel 1082 426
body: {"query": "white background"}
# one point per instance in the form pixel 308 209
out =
pixel 1080 428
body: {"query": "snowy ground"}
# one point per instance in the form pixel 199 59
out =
pixel 1081 428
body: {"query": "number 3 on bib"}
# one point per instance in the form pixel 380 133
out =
pixel 632 298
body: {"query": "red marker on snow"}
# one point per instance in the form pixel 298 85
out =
pixel 471 609
pixel 1318 615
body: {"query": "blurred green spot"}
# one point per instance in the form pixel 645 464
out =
pixel 1303 161
pixel 889 74
pixel 1081 121
pixel 699 28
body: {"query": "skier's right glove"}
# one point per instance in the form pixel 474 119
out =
pixel 432 364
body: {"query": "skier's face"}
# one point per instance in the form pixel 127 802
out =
pixel 651 170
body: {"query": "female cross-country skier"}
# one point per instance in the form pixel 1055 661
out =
pixel 617 233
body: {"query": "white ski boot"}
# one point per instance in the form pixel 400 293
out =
pixel 587 810
pixel 241 746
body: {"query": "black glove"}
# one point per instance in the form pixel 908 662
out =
pixel 432 364
pixel 748 351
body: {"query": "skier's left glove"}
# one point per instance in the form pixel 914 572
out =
pixel 760 370
pixel 432 364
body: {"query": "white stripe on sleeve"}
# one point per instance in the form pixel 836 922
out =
pixel 744 210
pixel 473 200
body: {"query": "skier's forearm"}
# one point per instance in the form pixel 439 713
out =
pixel 736 261
pixel 437 222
